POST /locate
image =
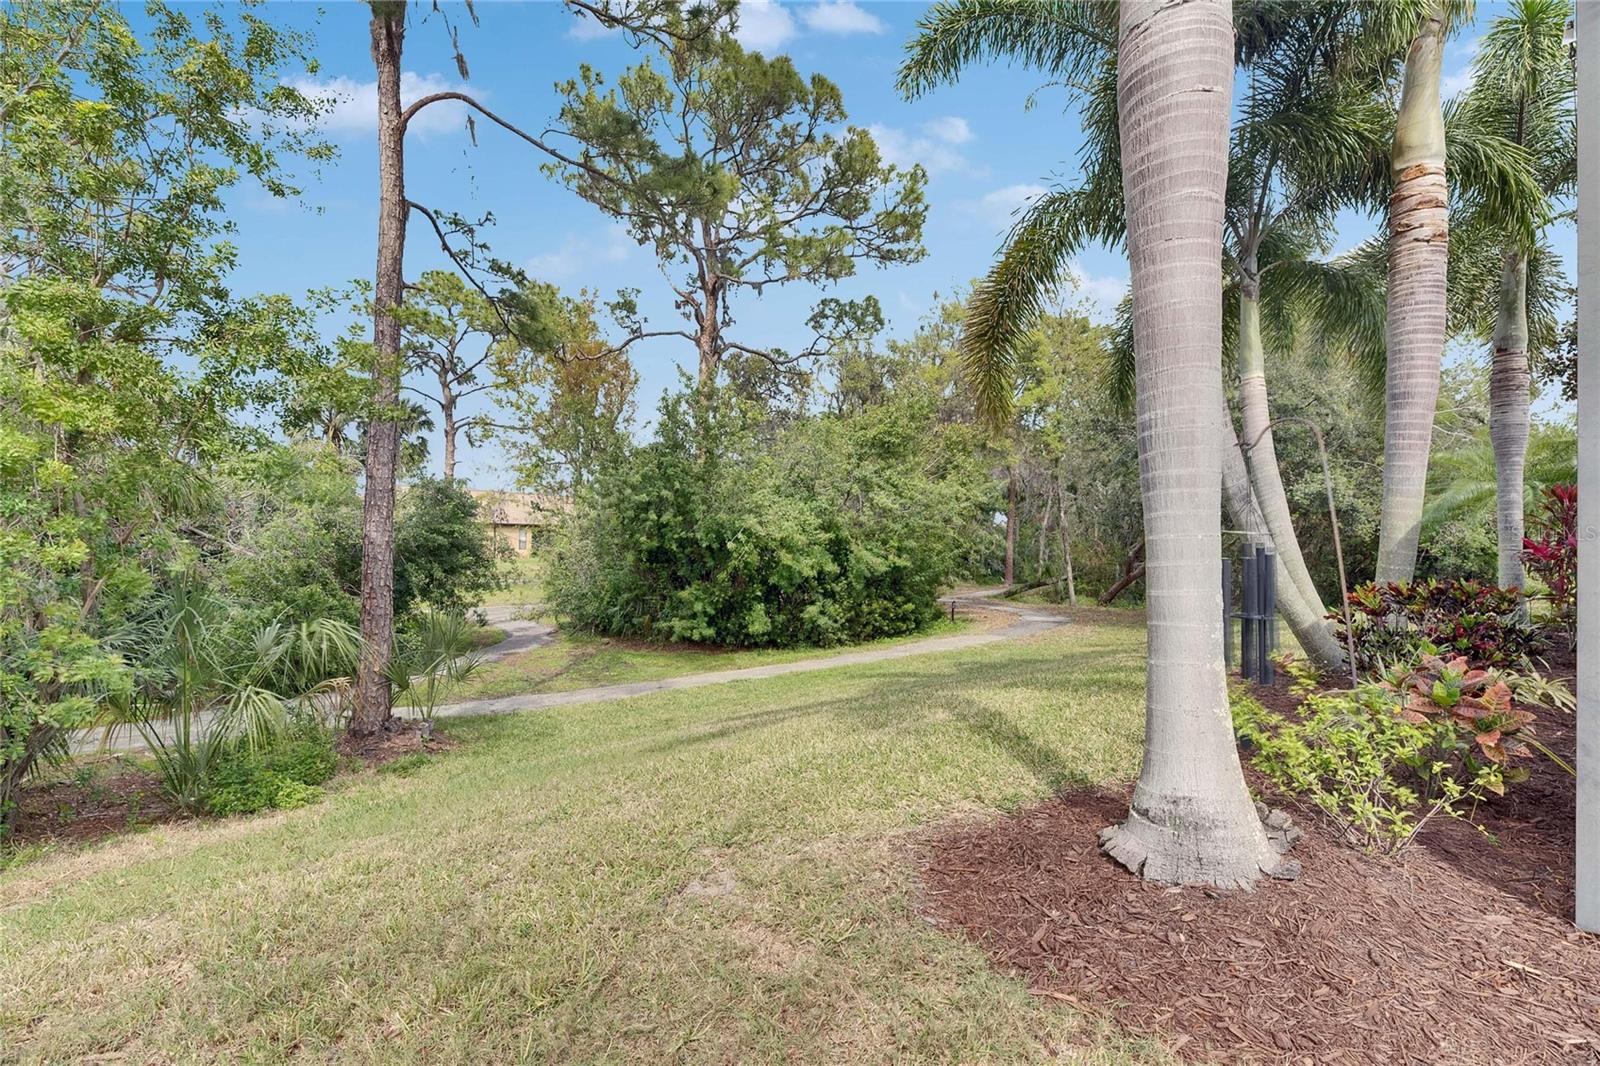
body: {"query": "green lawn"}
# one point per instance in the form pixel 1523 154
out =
pixel 524 583
pixel 721 875
pixel 576 661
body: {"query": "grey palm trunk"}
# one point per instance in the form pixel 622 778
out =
pixel 1508 415
pixel 1419 244
pixel 1303 607
pixel 1191 820
pixel 1307 620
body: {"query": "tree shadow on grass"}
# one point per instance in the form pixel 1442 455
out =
pixel 893 704
pixel 1044 762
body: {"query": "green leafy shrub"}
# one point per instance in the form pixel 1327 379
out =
pixel 1400 622
pixel 443 555
pixel 282 776
pixel 1378 763
pixel 839 530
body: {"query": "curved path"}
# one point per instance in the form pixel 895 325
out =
pixel 521 634
pixel 1029 622
pixel 524 635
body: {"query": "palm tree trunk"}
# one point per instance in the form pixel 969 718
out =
pixel 371 710
pixel 1308 623
pixel 1262 454
pixel 1191 820
pixel 1419 236
pixel 1508 414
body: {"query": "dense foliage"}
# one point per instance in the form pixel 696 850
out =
pixel 843 529
pixel 1398 622
pixel 123 354
pixel 1551 554
pixel 445 555
pixel 1435 737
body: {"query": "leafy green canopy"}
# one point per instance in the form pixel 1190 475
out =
pixel 122 353
pixel 730 166
pixel 843 529
pixel 1312 137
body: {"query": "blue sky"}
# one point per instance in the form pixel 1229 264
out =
pixel 985 153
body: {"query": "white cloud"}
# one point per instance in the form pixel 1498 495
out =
pixel 764 24
pixel 1002 206
pixel 1102 292
pixel 353 105
pixel 839 16
pixel 951 129
pixel 585 28
pixel 1459 82
pixel 609 244
pixel 934 146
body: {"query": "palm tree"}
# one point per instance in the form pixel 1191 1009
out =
pixel 1522 90
pixel 1309 126
pixel 1191 820
pixel 1419 248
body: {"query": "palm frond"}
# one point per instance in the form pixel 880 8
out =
pixel 1007 303
pixel 1345 298
pixel 1065 39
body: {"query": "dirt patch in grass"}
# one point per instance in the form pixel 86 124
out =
pixel 100 802
pixel 1462 951
pixel 400 738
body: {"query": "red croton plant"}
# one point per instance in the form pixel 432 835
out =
pixel 1552 553
pixel 1473 710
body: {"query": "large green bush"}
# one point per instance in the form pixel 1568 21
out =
pixel 444 556
pixel 827 531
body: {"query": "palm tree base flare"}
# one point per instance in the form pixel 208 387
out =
pixel 1189 843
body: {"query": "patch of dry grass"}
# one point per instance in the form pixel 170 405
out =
pixel 709 876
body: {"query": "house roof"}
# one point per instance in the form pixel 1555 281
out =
pixel 503 508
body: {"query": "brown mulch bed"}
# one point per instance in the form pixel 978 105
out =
pixel 1462 951
pixel 80 810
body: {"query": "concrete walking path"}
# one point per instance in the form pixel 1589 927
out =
pixel 521 634
pixel 1029 621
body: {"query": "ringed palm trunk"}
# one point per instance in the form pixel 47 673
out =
pixel 1191 820
pixel 1419 236
pixel 371 710
pixel 1307 621
pixel 1508 414
pixel 1262 454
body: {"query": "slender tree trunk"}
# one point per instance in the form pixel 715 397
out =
pixel 371 711
pixel 1261 456
pixel 1065 536
pixel 447 419
pixel 1011 527
pixel 708 340
pixel 1508 414
pixel 1308 624
pixel 1419 236
pixel 1043 549
pixel 1192 820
